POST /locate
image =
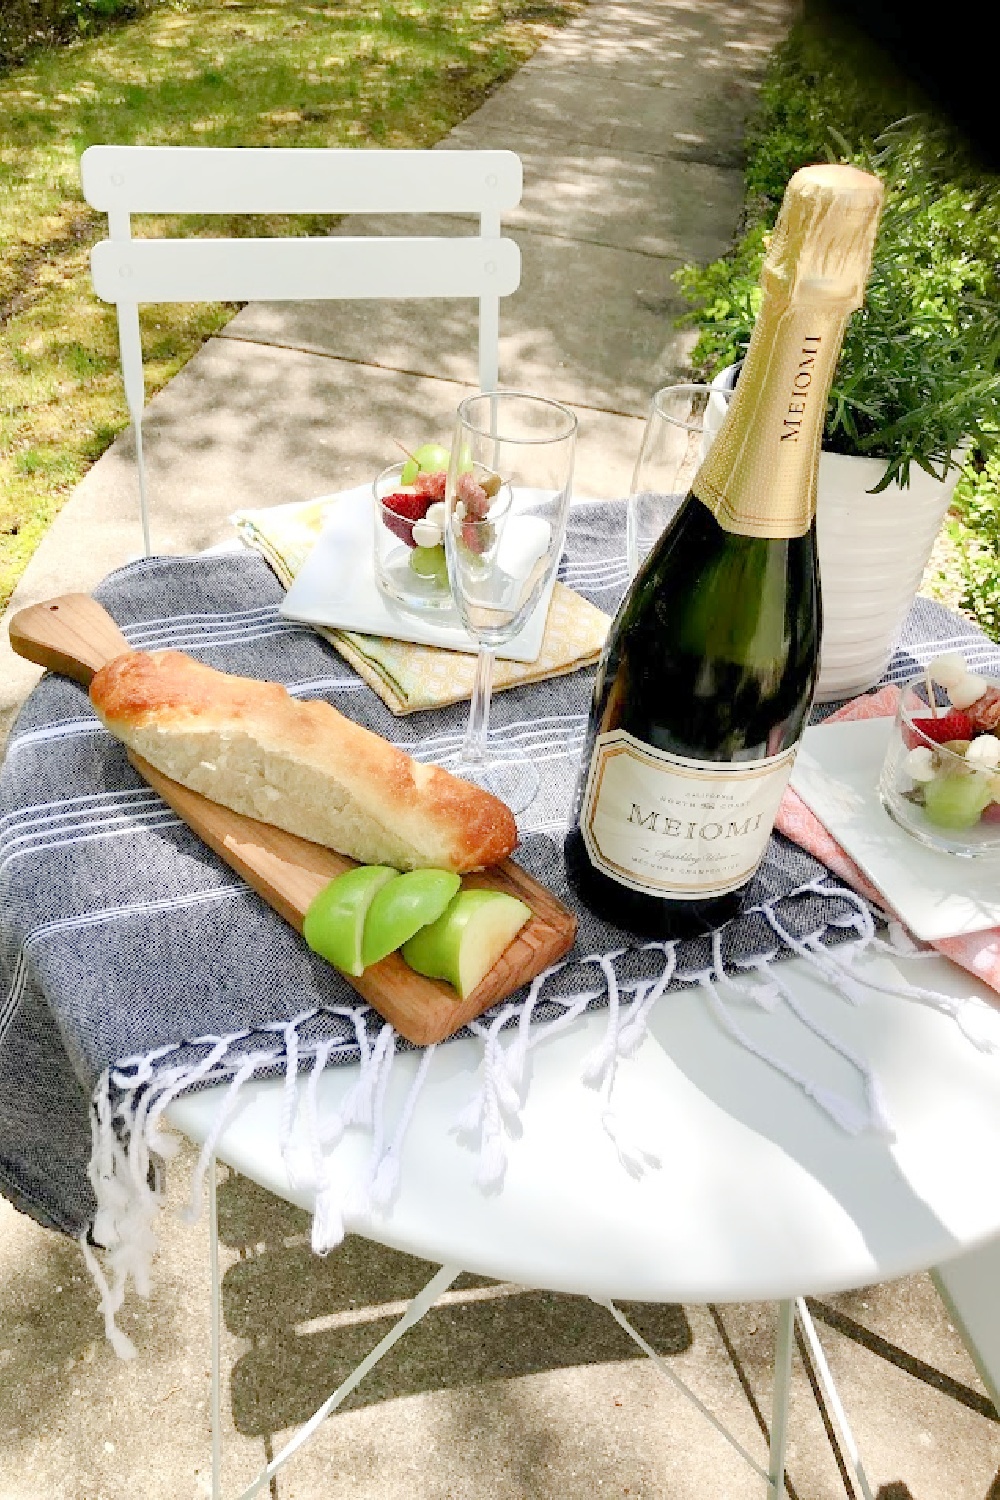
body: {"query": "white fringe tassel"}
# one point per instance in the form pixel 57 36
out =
pixel 124 1136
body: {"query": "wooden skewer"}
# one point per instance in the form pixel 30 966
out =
pixel 931 694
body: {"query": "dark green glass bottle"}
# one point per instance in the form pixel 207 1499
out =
pixel 708 674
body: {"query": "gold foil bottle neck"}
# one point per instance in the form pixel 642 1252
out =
pixel 759 478
pixel 821 248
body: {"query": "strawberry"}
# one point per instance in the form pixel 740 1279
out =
pixel 406 503
pixel 405 508
pixel 953 725
pixel 990 813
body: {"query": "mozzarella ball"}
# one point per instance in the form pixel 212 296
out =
pixel 919 764
pixel 984 751
pixel 948 668
pixel 966 692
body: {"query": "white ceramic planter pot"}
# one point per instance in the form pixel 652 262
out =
pixel 873 550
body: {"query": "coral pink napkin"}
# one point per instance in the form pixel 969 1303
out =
pixel 979 952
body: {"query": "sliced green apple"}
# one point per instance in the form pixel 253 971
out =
pixel 335 920
pixel 429 458
pixel 402 907
pixel 467 939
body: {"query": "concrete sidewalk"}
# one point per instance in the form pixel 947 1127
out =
pixel 629 123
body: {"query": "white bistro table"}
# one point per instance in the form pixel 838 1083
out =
pixel 749 1191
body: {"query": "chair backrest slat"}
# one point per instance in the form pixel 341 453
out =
pixel 287 180
pixel 200 270
pixel 126 180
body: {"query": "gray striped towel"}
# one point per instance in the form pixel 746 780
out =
pixel 125 941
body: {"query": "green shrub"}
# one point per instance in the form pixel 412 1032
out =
pixel 824 78
pixel 974 530
pixel 919 373
pixel 29 23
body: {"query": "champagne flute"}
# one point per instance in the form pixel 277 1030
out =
pixel 680 428
pixel 506 504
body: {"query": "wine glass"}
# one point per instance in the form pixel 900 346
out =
pixel 682 423
pixel 506 504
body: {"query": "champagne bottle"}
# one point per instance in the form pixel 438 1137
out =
pixel 707 677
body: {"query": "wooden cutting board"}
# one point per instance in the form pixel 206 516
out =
pixel 75 635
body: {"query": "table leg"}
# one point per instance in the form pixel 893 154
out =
pixel 784 1340
pixel 968 1288
pixel 420 1304
pixel 825 1377
pixel 664 1369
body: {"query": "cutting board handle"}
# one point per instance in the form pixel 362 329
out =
pixel 73 635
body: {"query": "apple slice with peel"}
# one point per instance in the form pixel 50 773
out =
pixel 402 907
pixel 335 920
pixel 467 939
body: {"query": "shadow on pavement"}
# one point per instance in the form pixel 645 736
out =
pixel 918 1368
pixel 309 1321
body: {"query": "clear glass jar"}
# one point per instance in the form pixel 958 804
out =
pixel 932 787
pixel 408 550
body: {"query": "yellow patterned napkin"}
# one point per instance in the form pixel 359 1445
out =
pixel 408 677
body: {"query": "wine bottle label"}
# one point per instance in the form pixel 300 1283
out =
pixel 664 825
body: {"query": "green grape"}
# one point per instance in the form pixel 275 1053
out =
pixel 956 801
pixel 427 459
pixel 429 562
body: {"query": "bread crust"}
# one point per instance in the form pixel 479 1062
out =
pixel 302 766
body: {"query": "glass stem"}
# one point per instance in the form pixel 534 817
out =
pixel 474 748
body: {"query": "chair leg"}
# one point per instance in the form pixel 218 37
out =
pixel 130 346
pixel 489 342
pixel 784 1339
pixel 140 467
pixel 216 1394
pixel 420 1304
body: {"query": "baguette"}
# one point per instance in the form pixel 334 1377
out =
pixel 301 766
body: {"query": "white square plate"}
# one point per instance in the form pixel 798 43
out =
pixel 936 894
pixel 336 587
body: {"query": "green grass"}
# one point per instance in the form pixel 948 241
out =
pixel 192 72
pixel 970 574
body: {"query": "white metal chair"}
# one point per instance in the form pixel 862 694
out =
pixel 125 180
